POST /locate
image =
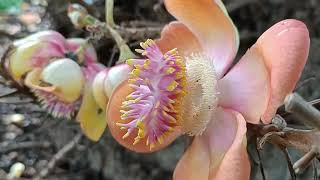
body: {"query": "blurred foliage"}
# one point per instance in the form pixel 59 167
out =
pixel 8 5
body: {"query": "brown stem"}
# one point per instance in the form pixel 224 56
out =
pixel 305 161
pixel 303 110
pixel 289 161
pixel 58 156
pixel 24 145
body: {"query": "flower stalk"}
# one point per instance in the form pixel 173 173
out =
pixel 80 18
pixel 109 12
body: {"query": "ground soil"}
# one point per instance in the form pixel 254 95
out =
pixel 106 159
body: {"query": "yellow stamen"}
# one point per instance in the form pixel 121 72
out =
pixel 146 64
pixel 126 135
pixel 139 51
pixel 172 85
pixel 170 70
pixel 135 73
pixel 129 62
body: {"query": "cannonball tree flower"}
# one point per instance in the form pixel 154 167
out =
pixel 185 85
pixel 61 73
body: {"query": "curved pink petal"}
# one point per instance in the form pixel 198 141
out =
pixel 245 88
pixel 258 84
pixel 49 36
pixel 285 48
pixel 209 21
pixel 218 154
pixel 177 35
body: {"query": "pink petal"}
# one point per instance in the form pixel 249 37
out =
pixel 245 88
pixel 177 35
pixel 258 84
pixel 209 22
pixel 115 76
pixel 49 36
pixel 218 154
pixel 285 48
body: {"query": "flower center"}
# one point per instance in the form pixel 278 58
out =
pixel 169 91
pixel 200 102
pixel 159 84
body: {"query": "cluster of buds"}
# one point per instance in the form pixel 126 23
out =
pixel 61 72
pixel 55 69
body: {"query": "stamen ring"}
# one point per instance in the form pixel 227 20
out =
pixel 201 100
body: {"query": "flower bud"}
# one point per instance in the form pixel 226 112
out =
pixel 34 51
pixel 58 86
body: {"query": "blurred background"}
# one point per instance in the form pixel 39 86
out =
pixel 31 136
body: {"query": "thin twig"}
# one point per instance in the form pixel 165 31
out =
pixel 305 81
pixel 134 33
pixel 300 165
pixel 304 111
pixel 8 93
pixel 315 171
pixel 260 161
pixel 289 161
pixel 24 145
pixel 58 156
pixel 113 53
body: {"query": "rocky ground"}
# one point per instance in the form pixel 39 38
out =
pixel 36 139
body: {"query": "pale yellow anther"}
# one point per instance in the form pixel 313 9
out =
pixel 157 104
pixel 152 146
pixel 124 116
pixel 171 119
pixel 136 140
pixel 138 66
pixel 135 72
pixel 170 70
pixel 165 108
pixel 139 50
pixel 150 42
pixel 119 124
pixel 160 140
pixel 146 64
pixel 170 103
pixel 174 51
pixel 123 111
pixel 172 86
pixel 126 135
pixel 141 133
pixel 132 81
pixel 129 62
pixel 140 124
pixel 129 97
pixel 143 45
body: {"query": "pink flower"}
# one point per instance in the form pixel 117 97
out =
pixel 65 76
pixel 47 63
pixel 184 85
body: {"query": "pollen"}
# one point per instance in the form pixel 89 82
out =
pixel 153 108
